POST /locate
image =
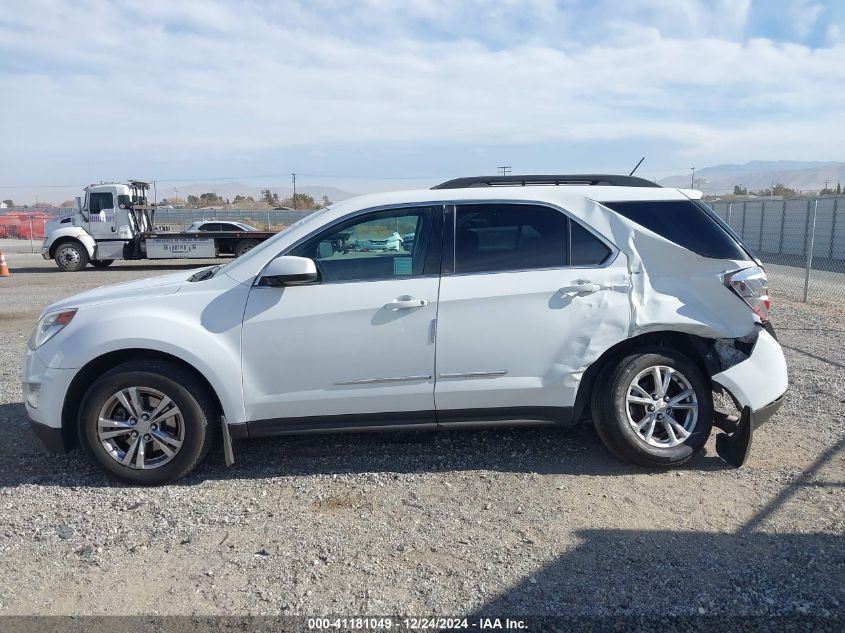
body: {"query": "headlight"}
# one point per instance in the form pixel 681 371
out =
pixel 50 325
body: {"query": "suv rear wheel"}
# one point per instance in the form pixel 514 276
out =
pixel 147 422
pixel 653 408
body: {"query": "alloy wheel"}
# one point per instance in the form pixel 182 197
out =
pixel 661 406
pixel 141 428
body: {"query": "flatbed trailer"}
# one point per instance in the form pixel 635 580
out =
pixel 197 245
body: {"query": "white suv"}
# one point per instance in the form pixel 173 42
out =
pixel 590 296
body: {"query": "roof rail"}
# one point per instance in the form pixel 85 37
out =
pixel 565 179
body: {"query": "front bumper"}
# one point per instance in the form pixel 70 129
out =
pixel 45 252
pixel 45 411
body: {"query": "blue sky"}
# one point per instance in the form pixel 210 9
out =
pixel 374 94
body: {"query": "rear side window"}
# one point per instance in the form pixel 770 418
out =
pixel 682 222
pixel 585 248
pixel 499 237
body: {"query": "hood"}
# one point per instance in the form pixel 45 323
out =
pixel 152 287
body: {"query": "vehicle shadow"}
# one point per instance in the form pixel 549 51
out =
pixel 664 580
pixel 672 579
pixel 573 450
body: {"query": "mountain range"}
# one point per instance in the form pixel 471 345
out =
pixel 809 176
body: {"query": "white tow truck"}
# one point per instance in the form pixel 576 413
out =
pixel 116 221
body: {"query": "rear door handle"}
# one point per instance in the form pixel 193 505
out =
pixel 405 303
pixel 580 287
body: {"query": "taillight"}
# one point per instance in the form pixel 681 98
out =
pixel 752 286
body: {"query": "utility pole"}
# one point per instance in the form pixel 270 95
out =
pixel 692 178
pixel 176 191
pixel 826 183
pixel 293 178
pixel 504 170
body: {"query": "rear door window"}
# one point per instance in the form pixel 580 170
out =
pixel 685 223
pixel 500 237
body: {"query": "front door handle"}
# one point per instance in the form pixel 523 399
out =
pixel 580 287
pixel 405 302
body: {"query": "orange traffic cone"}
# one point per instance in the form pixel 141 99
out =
pixel 4 269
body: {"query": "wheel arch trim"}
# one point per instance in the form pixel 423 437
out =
pixel 698 349
pixel 72 235
pixel 105 362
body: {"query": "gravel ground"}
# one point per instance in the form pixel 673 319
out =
pixel 530 521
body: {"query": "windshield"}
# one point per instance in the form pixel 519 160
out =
pixel 271 243
pixel 248 227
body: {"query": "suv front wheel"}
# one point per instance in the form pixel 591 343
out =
pixel 653 408
pixel 147 422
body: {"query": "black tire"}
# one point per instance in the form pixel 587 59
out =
pixel 244 246
pixel 610 415
pixel 71 256
pixel 101 263
pixel 196 404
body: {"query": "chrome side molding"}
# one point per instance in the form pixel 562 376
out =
pixel 372 381
pixel 474 374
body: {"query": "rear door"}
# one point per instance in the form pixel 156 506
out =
pixel 525 297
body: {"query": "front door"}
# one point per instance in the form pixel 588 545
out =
pixel 531 294
pixel 101 224
pixel 357 348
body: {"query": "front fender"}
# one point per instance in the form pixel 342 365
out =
pixel 71 232
pixel 202 328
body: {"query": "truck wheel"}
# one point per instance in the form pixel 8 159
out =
pixel 244 246
pixel 71 256
pixel 101 263
pixel 653 408
pixel 147 422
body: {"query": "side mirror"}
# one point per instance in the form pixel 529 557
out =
pixel 289 271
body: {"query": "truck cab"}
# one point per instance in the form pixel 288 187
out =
pixel 104 223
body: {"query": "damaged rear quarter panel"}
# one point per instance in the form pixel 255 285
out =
pixel 667 288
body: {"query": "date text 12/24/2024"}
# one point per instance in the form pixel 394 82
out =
pixel 416 624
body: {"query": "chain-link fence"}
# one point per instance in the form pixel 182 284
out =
pixel 262 219
pixel 801 242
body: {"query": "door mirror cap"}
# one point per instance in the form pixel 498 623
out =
pixel 289 271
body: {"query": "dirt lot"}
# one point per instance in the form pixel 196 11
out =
pixel 531 521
